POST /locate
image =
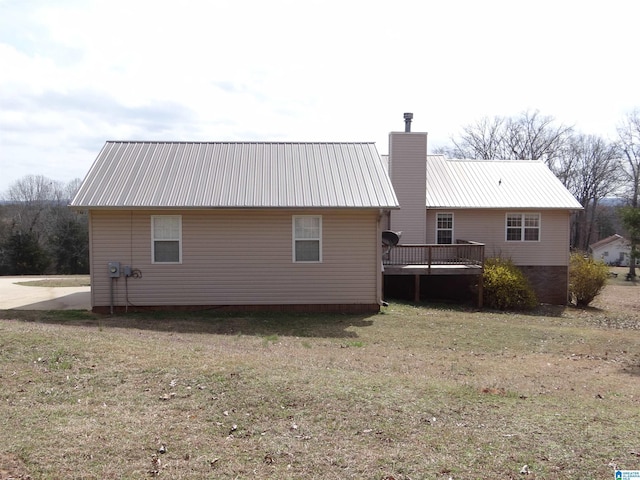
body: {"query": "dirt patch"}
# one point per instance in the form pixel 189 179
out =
pixel 12 468
pixel 620 300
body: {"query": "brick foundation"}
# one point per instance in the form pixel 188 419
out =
pixel 551 284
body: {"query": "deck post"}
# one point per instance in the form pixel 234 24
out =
pixel 416 288
pixel 480 292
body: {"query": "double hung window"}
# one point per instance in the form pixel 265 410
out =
pixel 523 227
pixel 307 238
pixel 166 238
pixel 444 228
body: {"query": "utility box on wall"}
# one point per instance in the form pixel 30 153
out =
pixel 114 269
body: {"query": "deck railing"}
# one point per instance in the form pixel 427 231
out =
pixel 463 252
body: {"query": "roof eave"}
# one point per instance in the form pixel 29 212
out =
pixel 505 207
pixel 233 207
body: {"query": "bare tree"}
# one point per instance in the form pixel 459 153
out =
pixel 593 172
pixel 481 140
pixel 31 197
pixel 532 136
pixel 71 189
pixel 629 142
pixel 32 189
pixel 529 136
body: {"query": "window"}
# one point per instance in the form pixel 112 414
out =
pixel 307 238
pixel 444 228
pixel 523 227
pixel 166 239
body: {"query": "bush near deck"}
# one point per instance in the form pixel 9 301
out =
pixel 506 287
pixel 587 278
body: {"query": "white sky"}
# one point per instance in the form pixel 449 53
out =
pixel 75 73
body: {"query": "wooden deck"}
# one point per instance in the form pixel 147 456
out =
pixel 461 258
pixel 433 269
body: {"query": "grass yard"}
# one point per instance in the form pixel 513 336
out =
pixel 412 393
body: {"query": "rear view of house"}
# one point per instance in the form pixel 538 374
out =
pixel 298 226
pixel 291 226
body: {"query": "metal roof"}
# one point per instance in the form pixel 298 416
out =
pixel 236 175
pixel 495 184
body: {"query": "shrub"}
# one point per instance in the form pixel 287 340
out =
pixel 506 287
pixel 587 278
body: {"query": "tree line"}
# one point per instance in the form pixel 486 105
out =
pixel 602 174
pixel 39 234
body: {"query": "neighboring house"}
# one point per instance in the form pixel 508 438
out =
pixel 613 250
pixel 292 226
pixel 518 209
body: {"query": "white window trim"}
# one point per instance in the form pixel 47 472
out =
pixel 294 239
pixel 153 240
pixel 453 219
pixel 522 227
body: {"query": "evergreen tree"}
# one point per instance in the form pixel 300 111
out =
pixel 69 244
pixel 25 255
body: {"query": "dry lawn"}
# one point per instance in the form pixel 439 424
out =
pixel 412 393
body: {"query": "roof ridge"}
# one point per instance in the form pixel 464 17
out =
pixel 245 142
pixel 484 160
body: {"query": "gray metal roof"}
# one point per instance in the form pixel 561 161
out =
pixel 494 184
pixel 236 175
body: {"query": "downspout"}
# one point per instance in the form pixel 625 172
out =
pixel 92 281
pixel 379 271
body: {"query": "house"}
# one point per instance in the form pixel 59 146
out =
pixel 298 226
pixel 517 209
pixel 613 250
pixel 292 226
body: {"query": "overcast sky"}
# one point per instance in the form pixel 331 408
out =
pixel 75 73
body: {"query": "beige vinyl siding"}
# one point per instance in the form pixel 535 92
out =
pixel 238 257
pixel 408 171
pixel 489 227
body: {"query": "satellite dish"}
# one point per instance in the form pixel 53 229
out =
pixel 389 238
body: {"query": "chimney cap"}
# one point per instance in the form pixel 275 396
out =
pixel 407 121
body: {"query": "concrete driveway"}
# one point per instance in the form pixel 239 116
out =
pixel 21 297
